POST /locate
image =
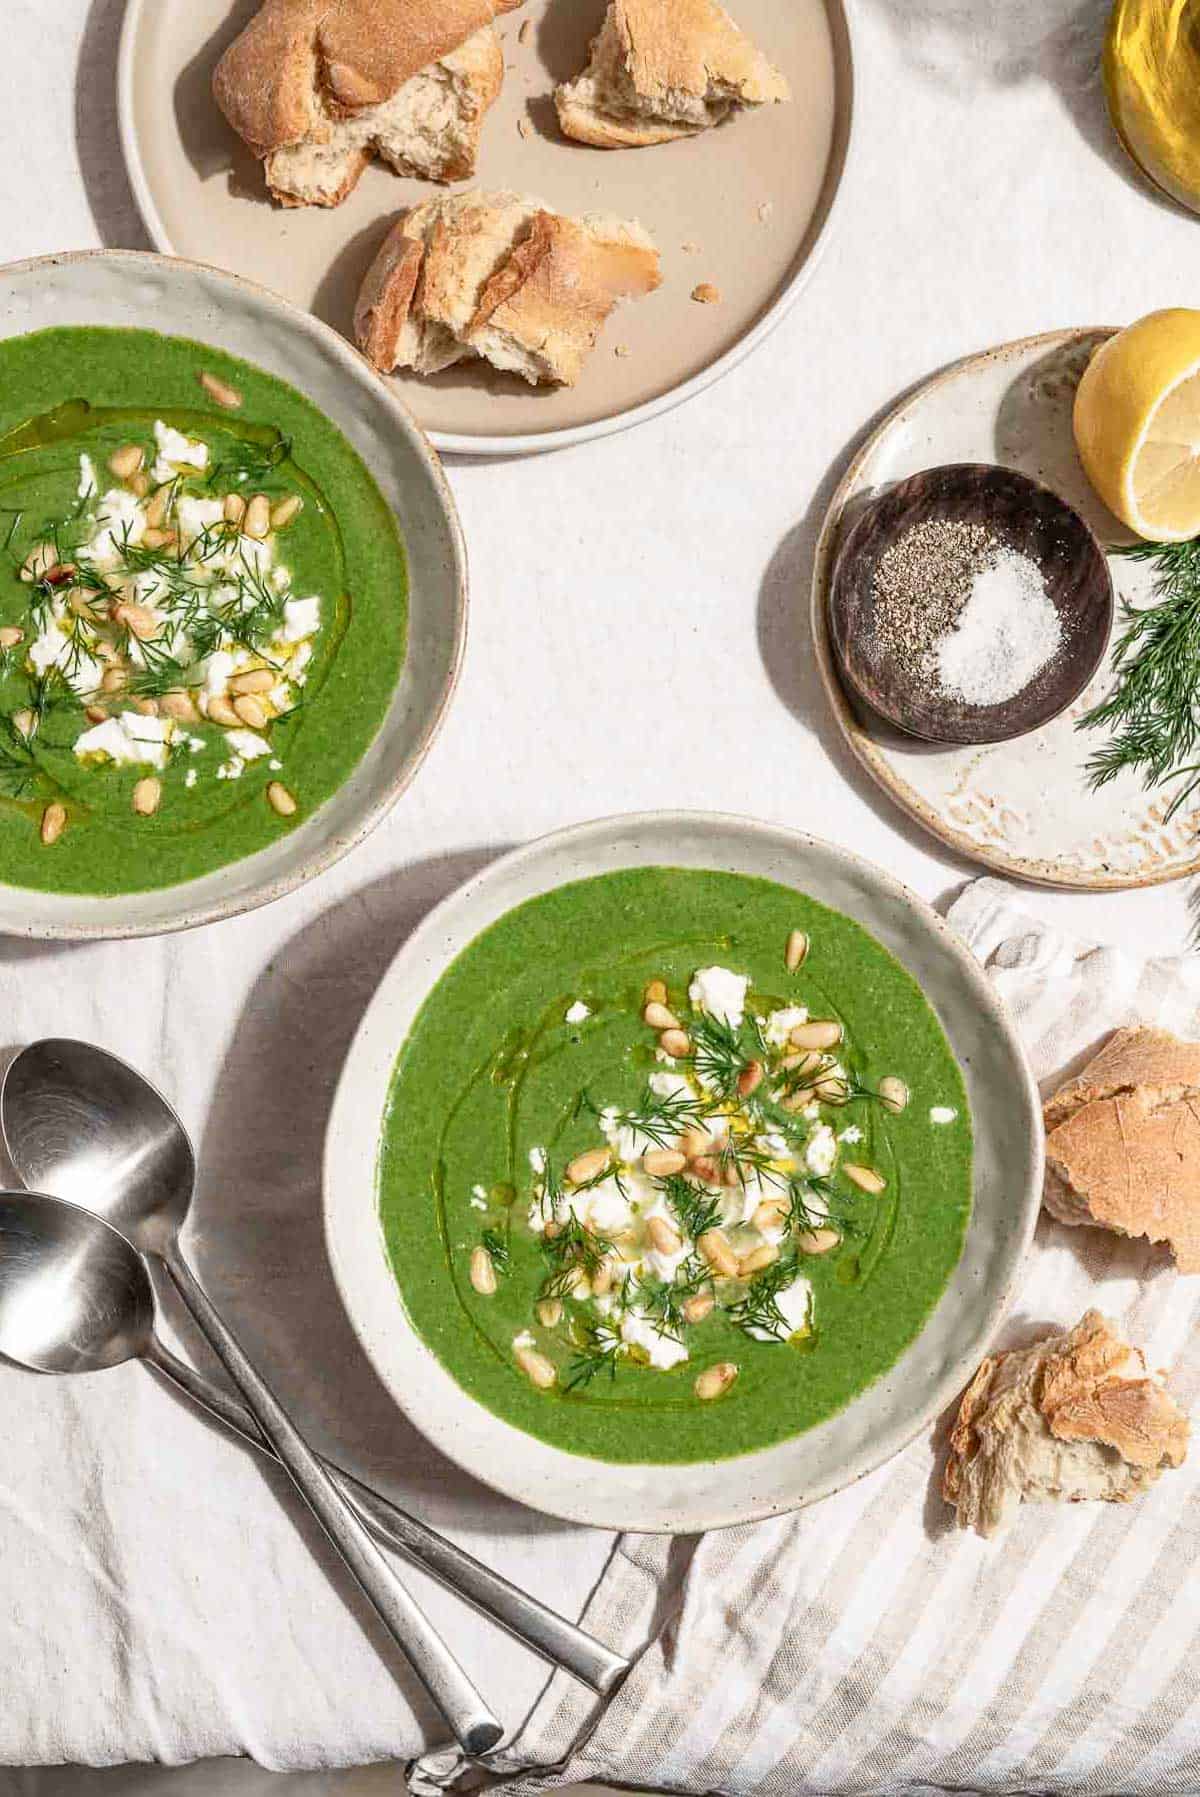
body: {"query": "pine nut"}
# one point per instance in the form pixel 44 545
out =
pixel 659 1018
pixel 655 993
pixel 817 1241
pixel 663 1163
pixel 285 510
pixel 156 511
pixel 126 461
pixel 770 1214
pixel 820 1033
pixel 40 557
pixel 95 714
pixel 25 722
pixel 832 1091
pixel 865 1178
pixel 715 1381
pixel 257 522
pixel 178 705
pixel 255 680
pixel 801 1063
pixel 10 636
pixel 586 1166
pixel 699 1306
pixel 112 680
pixel 220 390
pixel 220 711
pixel 663 1237
pixel 146 708
pixel 139 620
pixel 796 953
pixel 155 538
pixel 552 1230
pixel 602 1279
pixel 549 1313
pixel 536 1368
pixel 83 604
pixel 695 1141
pixel 756 1260
pixel 676 1043
pixel 798 1100
pixel 234 508
pixel 252 711
pixel 750 1079
pixel 280 799
pixel 483 1272
pixel 893 1092
pixel 139 485
pixel 704 1167
pixel 59 573
pixel 147 796
pixel 54 822
pixel 714 1246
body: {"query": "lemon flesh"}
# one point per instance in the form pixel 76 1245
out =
pixel 1137 425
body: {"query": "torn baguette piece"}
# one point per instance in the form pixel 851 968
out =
pixel 1123 1142
pixel 662 69
pixel 502 277
pixel 316 88
pixel 1075 1418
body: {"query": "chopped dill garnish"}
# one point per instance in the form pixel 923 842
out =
pixel 717 1055
pixel 661 1118
pixel 499 1250
pixel 696 1210
pixel 18 769
pixel 574 1251
pixel 599 1349
pixel 759 1309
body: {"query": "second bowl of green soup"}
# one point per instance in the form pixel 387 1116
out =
pixel 703 1159
pixel 232 596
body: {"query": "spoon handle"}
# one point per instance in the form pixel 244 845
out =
pixel 540 1627
pixel 474 1725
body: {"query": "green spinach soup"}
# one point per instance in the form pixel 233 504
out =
pixel 202 609
pixel 674 1164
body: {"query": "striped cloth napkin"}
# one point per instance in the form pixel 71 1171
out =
pixel 864 1645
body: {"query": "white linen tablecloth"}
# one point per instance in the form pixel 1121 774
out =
pixel 155 1596
pixel 865 1646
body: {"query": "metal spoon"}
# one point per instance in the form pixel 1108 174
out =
pixel 57 1106
pixel 147 1205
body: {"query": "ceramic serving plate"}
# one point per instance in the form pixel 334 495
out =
pixel 745 207
pixel 1024 807
pixel 124 288
pixel 684 1498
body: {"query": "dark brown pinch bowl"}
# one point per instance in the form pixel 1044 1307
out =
pixel 1030 519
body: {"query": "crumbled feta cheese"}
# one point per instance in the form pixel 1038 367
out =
pixel 537 1159
pixel 190 778
pixel 942 1113
pixel 477 1203
pixel 721 993
pixel 246 744
pixel 820 1151
pixel 128 740
pixel 526 1339
pixel 853 1134
pixel 194 516
pixel 217 669
pixel 88 486
pixel 577 1012
pixel 176 453
pixel 607 1207
pixel 663 1351
pixel 119 520
pixel 55 648
pixel 795 1304
pixel 669 1085
pixel 301 618
pixel 780 1024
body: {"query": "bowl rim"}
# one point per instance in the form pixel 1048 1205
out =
pixel 1086 668
pixel 321 860
pixel 843 14
pixel 345 1174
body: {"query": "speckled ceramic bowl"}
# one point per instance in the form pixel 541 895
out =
pixel 127 288
pixel 681 1499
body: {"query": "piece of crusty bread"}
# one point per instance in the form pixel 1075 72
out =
pixel 316 87
pixel 1123 1142
pixel 501 276
pixel 661 69
pixel 1076 1417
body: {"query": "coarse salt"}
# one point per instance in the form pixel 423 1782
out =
pixel 1006 632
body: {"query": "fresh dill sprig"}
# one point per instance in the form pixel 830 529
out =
pixel 1154 706
pixel 574 1250
pixel 599 1349
pixel 18 769
pixel 661 1118
pixel 662 1301
pixel 759 1309
pixel 717 1055
pixel 499 1250
pixel 696 1210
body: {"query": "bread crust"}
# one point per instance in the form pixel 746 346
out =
pixel 1075 1417
pixel 663 69
pixel 299 63
pixel 1123 1142
pixel 385 298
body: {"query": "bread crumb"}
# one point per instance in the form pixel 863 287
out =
pixel 526 32
pixel 523 126
pixel 690 249
pixel 707 294
pixel 620 349
pixel 765 211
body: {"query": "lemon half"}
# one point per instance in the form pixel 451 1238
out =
pixel 1137 424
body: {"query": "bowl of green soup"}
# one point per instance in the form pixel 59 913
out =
pixel 680 1171
pixel 232 596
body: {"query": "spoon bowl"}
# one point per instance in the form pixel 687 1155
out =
pixel 83 1125
pixel 75 1297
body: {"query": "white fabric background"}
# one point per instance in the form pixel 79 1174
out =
pixel 671 565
